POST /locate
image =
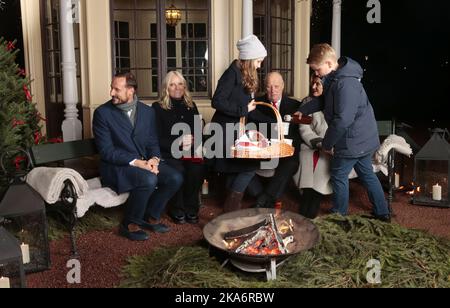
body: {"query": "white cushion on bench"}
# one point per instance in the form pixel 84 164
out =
pixel 49 183
pixel 380 158
pixel 395 142
pixel 103 196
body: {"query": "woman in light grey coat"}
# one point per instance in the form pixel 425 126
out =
pixel 313 175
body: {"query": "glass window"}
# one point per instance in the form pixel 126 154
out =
pixel 146 45
pixel 273 23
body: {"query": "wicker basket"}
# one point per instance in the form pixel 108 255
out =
pixel 276 150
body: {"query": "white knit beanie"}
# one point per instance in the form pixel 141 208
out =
pixel 251 48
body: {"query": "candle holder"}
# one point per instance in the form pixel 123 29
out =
pixel 432 172
pixel 23 211
pixel 12 274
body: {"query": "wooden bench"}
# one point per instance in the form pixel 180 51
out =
pixel 81 156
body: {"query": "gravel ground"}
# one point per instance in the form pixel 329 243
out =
pixel 104 253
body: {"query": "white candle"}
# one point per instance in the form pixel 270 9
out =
pixel 205 188
pixel 437 192
pixel 4 283
pixel 397 180
pixel 25 253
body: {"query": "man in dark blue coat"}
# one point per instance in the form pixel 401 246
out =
pixel 127 140
pixel 352 135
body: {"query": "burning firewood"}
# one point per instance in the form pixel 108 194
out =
pixel 263 239
pixel 245 232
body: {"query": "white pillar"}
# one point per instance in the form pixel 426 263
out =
pixel 247 17
pixel 71 126
pixel 336 31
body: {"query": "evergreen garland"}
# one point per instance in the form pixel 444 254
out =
pixel 409 259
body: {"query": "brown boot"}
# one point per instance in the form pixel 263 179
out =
pixel 233 201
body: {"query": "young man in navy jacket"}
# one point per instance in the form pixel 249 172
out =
pixel 352 135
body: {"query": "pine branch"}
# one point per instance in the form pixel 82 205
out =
pixel 18 114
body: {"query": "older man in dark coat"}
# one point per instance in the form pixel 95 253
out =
pixel 284 168
pixel 126 137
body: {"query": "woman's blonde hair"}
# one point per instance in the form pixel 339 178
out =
pixel 250 79
pixel 165 101
pixel 320 53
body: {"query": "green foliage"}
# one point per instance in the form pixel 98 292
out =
pixel 96 219
pixel 18 115
pixel 408 259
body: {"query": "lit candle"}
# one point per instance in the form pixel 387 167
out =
pixel 205 188
pixel 397 180
pixel 4 283
pixel 437 192
pixel 25 253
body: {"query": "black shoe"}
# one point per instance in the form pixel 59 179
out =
pixel 192 219
pixel 266 205
pixel 261 201
pixel 158 228
pixel 384 218
pixel 259 205
pixel 139 235
pixel 178 219
pixel 270 205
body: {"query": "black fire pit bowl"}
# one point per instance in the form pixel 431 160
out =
pixel 306 233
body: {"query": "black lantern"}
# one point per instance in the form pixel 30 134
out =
pixel 12 273
pixel 23 210
pixel 432 172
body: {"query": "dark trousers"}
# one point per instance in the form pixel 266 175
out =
pixel 310 203
pixel 186 200
pixel 238 182
pixel 149 199
pixel 277 184
pixel 283 174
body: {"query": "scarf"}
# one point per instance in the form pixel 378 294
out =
pixel 131 106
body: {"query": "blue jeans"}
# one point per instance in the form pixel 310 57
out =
pixel 340 169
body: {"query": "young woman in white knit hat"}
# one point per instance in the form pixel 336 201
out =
pixel 233 99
